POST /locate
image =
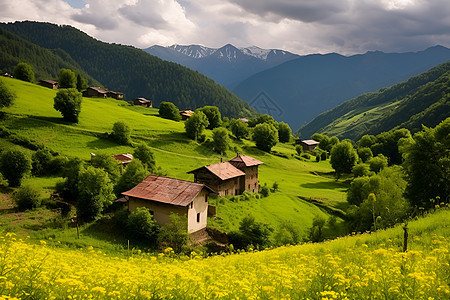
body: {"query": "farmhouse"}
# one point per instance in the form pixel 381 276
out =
pixel 115 95
pixel 307 145
pixel 163 196
pixel 51 84
pixel 186 114
pixel 230 178
pixel 143 102
pixel 124 158
pixel 95 92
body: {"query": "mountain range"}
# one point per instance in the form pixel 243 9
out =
pixel 227 65
pixel 117 67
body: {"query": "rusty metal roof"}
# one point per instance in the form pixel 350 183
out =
pixel 166 190
pixel 310 142
pixel 123 158
pixel 247 160
pixel 98 90
pixel 223 170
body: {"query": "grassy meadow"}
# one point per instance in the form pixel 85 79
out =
pixel 32 115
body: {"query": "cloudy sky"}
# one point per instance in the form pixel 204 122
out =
pixel 300 26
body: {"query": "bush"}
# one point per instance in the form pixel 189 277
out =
pixel 299 149
pixel 287 234
pixel 142 226
pixel 265 136
pixel 284 132
pixel 251 233
pixel 212 113
pixel 323 155
pixel 378 163
pixel 361 170
pixel 121 133
pixel 239 128
pixel 6 95
pixel 306 156
pixel 195 125
pixel 264 190
pixel 316 231
pixel 27 197
pixel 24 71
pixel 14 164
pixel 67 79
pixel 109 164
pixel 365 154
pixel 168 110
pixel 343 157
pixel 134 174
pixel 40 162
pixel 68 103
pixel 317 158
pixel 25 142
pixel 145 155
pixel 221 140
pixel 174 234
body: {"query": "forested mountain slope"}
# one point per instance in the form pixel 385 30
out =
pixel 132 71
pixel 423 99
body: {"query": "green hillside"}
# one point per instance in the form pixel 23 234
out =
pixel 367 266
pixel 33 116
pixel 133 71
pixel 423 99
pixel 45 63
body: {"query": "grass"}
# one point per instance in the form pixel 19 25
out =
pixel 33 116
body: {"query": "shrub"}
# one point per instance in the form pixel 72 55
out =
pixel 24 71
pixel 317 158
pixel 361 170
pixel 67 79
pixel 174 234
pixel 265 136
pixel 195 125
pixel 145 155
pixel 299 149
pixel 68 103
pixel 27 197
pixel 264 190
pixel 343 157
pixel 168 110
pixel 251 233
pixel 306 156
pixel 221 140
pixel 212 113
pixel 121 133
pixel 365 154
pixel 378 163
pixel 287 234
pixel 134 174
pixel 323 155
pixel 316 231
pixel 239 128
pixel 40 162
pixel 142 226
pixel 14 164
pixel 6 95
pixel 109 164
pixel 284 132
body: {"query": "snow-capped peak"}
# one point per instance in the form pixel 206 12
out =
pixel 195 51
pixel 256 52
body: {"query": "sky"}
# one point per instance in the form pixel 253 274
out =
pixel 300 26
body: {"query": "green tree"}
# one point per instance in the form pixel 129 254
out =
pixel 67 79
pixel 24 71
pixel 71 170
pixel 265 136
pixel 168 110
pixel 367 141
pixel 82 83
pixel 284 132
pixel 41 161
pixel 287 233
pixel 427 166
pixel 6 95
pixel 251 233
pixel 221 140
pixel 14 164
pixel 68 103
pixel 361 170
pixel 145 155
pixel 262 119
pixel 365 154
pixel 343 157
pixel 174 234
pixel 95 192
pixel 27 197
pixel 121 133
pixel 134 174
pixel 239 128
pixel 212 113
pixel 299 149
pixel 378 163
pixel 316 231
pixel 109 164
pixel 195 125
pixel 142 226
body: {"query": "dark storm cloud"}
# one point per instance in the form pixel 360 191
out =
pixel 99 21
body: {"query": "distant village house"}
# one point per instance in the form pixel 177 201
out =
pixel 51 84
pixel 230 178
pixel 124 158
pixel 163 196
pixel 143 102
pixel 115 95
pixel 186 114
pixel 95 92
pixel 307 145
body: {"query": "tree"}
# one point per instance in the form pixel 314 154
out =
pixel 27 197
pixel 121 133
pixel 287 233
pixel 6 95
pixel 221 140
pixel 40 162
pixel 82 83
pixel 67 79
pixel 195 125
pixel 265 136
pixel 71 171
pixel 142 226
pixel 367 141
pixel 299 149
pixel 284 132
pixel 174 234
pixel 361 170
pixel 251 233
pixel 145 155
pixel 24 71
pixel 168 110
pixel 212 113
pixel 134 174
pixel 239 128
pixel 365 154
pixel 262 119
pixel 378 163
pixel 427 166
pixel 68 102
pixel 14 164
pixel 95 192
pixel 343 157
pixel 108 163
pixel 316 231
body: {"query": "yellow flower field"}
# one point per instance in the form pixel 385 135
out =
pixel 359 267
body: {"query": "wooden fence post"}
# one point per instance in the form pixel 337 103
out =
pixel 405 238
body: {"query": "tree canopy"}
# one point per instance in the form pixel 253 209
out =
pixel 67 79
pixel 168 110
pixel 24 71
pixel 6 95
pixel 212 113
pixel 221 139
pixel 14 164
pixel 265 136
pixel 68 103
pixel 195 125
pixel 121 133
pixel 343 157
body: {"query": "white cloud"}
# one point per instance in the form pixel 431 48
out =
pixel 301 26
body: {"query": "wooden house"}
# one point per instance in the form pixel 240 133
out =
pixel 163 196
pixel 143 102
pixel 115 95
pixel 186 114
pixel 95 92
pixel 51 84
pixel 249 166
pixel 223 178
pixel 307 145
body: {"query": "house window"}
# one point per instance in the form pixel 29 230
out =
pixel 198 217
pixel 206 197
pixel 192 204
pixel 249 186
pixel 255 184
